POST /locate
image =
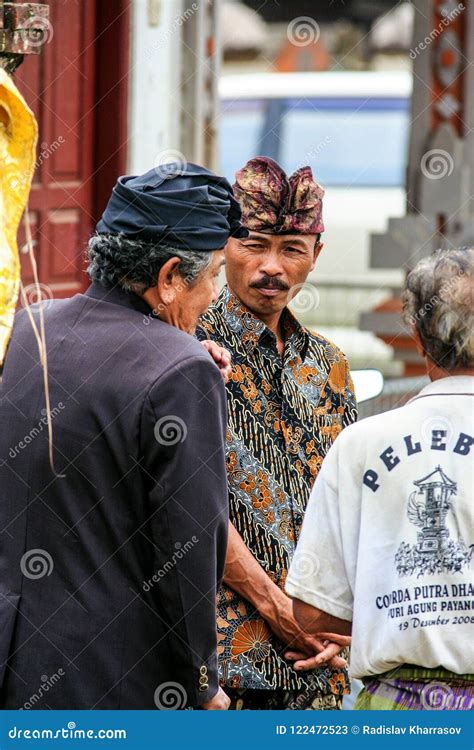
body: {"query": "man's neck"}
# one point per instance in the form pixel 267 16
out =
pixel 436 373
pixel 273 323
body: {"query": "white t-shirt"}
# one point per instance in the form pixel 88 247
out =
pixel 388 535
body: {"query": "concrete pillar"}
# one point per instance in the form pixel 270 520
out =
pixel 173 79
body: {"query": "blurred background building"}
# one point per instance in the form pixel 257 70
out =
pixel 122 85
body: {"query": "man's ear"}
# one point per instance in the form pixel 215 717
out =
pixel 416 337
pixel 317 249
pixel 168 280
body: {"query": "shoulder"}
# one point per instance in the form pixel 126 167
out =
pixel 181 353
pixel 185 358
pixel 51 308
pixel 57 314
pixel 321 347
pixel 359 435
pixel 188 346
pixel 331 364
pixel 213 325
pixel 189 381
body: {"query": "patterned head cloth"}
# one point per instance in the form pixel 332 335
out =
pixel 273 203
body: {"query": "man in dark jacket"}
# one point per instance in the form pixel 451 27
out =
pixel 113 538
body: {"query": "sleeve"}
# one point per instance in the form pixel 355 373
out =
pixel 184 426
pixel 318 572
pixel 350 401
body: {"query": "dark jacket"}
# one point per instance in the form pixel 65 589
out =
pixel 108 574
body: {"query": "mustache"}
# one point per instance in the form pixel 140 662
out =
pixel 269 282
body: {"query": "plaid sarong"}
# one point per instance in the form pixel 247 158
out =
pixel 414 688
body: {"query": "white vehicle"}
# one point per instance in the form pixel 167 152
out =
pixel 352 128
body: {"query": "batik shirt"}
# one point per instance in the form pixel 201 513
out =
pixel 283 415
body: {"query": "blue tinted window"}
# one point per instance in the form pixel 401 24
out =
pixel 241 123
pixel 347 142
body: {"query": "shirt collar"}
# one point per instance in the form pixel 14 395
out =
pixel 118 296
pixel 252 330
pixel 452 385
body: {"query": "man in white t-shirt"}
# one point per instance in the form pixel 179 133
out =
pixel 388 536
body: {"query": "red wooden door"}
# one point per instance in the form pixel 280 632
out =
pixel 63 86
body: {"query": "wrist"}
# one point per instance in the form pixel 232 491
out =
pixel 269 605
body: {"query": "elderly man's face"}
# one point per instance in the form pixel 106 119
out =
pixel 181 303
pixel 262 269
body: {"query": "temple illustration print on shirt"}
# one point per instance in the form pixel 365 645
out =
pixel 435 550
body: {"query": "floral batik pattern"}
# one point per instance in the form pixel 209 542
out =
pixel 283 415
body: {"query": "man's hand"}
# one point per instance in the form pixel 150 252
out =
pixel 220 702
pixel 244 574
pixel 220 356
pixel 280 618
pixel 332 644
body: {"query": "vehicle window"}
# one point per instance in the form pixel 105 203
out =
pixel 241 123
pixel 356 142
pixel 347 142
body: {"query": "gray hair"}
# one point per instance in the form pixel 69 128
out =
pixel 439 300
pixel 134 265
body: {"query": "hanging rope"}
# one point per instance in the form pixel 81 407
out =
pixel 40 335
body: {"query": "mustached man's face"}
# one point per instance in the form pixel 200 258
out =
pixel 263 269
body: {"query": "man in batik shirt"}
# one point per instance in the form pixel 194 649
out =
pixel 289 395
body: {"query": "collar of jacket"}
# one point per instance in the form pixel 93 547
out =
pixel 118 296
pixel 252 331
